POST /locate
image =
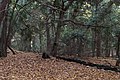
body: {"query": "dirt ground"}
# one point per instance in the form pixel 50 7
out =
pixel 30 66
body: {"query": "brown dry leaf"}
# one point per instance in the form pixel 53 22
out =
pixel 30 66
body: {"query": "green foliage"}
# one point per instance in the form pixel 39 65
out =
pixel 45 13
pixel 70 34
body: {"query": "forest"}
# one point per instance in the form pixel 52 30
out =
pixel 59 39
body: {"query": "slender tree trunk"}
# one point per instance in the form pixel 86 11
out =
pixel 98 42
pixel 3 44
pixel 118 47
pixel 107 48
pixel 107 42
pixel 40 38
pixel 48 39
pixel 93 43
pixel 118 52
pixel 48 36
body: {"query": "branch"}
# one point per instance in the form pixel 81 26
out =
pixel 79 23
pixel 50 6
pixel 11 50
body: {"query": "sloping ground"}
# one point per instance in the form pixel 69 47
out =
pixel 29 66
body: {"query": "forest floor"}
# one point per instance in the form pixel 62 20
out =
pixel 30 66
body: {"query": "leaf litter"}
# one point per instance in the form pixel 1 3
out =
pixel 30 66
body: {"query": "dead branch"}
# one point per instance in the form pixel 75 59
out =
pixel 11 50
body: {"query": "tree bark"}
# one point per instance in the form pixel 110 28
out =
pixel 48 35
pixel 3 25
pixel 3 44
pixel 117 51
pixel 3 6
pixel 107 43
pixel 93 43
pixel 57 35
pixel 118 47
pixel 98 43
pixel 59 25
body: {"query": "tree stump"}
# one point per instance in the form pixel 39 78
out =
pixel 118 62
pixel 45 56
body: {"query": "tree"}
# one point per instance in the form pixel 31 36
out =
pixel 3 25
pixel 59 25
pixel 40 25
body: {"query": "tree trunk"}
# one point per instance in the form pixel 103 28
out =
pixel 3 6
pixel 57 35
pixel 98 42
pixel 3 41
pixel 118 47
pixel 3 25
pixel 117 52
pixel 107 42
pixel 106 48
pixel 40 38
pixel 93 43
pixel 48 36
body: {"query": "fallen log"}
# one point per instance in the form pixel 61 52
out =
pixel 98 66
